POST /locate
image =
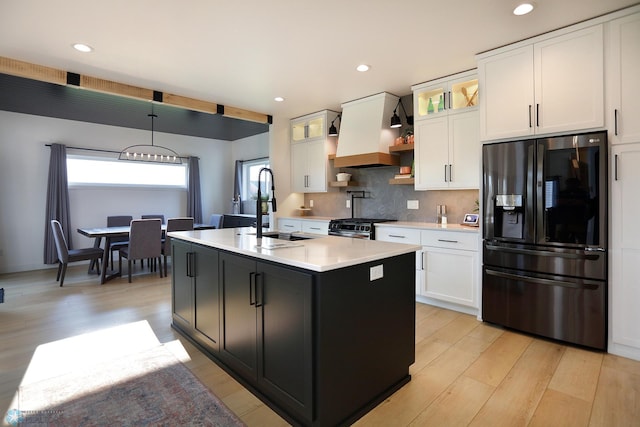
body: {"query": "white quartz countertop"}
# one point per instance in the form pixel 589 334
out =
pixel 318 254
pixel 428 226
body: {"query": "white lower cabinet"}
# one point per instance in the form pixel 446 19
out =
pixel 450 265
pixel 291 225
pixel 315 227
pixel 446 267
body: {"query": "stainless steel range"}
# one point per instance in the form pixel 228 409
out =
pixel 361 228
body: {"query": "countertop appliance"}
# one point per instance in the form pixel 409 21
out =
pixel 545 237
pixel 361 228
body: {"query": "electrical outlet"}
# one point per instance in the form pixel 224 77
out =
pixel 376 272
pixel 310 203
pixel 413 204
pixel 348 204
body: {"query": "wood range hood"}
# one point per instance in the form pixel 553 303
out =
pixel 365 135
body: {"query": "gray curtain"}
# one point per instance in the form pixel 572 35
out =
pixel 237 184
pixel 57 202
pixel 194 199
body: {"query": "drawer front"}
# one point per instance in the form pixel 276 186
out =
pixel 289 225
pixel 450 240
pixel 398 235
pixel 316 227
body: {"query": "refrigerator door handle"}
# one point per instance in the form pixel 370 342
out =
pixel 545 253
pixel 540 281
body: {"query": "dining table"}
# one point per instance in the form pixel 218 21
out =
pixel 108 233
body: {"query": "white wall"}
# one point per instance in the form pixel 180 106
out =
pixel 24 167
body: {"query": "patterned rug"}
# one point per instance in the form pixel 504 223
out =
pixel 146 388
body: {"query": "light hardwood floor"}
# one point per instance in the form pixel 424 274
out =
pixel 466 372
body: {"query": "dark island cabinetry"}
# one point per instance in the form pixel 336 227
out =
pixel 266 329
pixel 195 293
pixel 321 348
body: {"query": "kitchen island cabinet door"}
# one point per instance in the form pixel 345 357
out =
pixel 285 338
pixel 195 292
pixel 238 335
pixel 267 330
pixel 182 289
pixel 206 297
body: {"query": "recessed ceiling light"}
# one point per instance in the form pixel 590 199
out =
pixel 362 68
pixel 82 47
pixel 523 9
pixel 278 99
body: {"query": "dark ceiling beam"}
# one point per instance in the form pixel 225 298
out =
pixel 52 75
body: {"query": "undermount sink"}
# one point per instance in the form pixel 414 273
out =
pixel 277 245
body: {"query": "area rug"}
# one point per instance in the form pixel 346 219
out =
pixel 148 388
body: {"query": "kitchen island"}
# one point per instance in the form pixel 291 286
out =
pixel 322 330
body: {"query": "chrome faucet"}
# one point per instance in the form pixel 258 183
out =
pixel 259 202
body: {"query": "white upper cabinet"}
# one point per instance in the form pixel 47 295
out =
pixel 310 149
pixel 447 152
pixel 623 69
pixel 447 136
pixel 549 86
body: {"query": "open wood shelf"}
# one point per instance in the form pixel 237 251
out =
pixel 400 181
pixel 343 184
pixel 401 147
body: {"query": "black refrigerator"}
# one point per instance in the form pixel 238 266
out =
pixel 545 237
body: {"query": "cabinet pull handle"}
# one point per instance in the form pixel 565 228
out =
pixel 252 278
pixel 259 293
pixel 450 179
pixel 397 236
pixel 314 228
pixel 448 241
pixel 445 173
pixel 537 115
pixel 449 99
pixel 615 167
pixel 529 115
pixel 615 121
pixel 190 264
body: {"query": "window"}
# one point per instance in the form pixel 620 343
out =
pixel 250 170
pixel 104 171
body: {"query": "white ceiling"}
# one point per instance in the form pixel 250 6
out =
pixel 243 53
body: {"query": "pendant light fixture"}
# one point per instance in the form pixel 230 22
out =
pixel 150 153
pixel 395 119
pixel 333 131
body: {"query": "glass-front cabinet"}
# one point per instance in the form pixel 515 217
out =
pixel 309 128
pixel 446 95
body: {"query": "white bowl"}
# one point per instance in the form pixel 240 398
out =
pixel 343 176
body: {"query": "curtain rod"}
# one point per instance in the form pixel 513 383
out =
pixel 101 150
pixel 253 160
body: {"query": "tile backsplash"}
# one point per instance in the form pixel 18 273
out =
pixel 390 201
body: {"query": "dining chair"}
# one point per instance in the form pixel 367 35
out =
pixel 153 216
pixel 66 255
pixel 217 220
pixel 174 224
pixel 117 242
pixel 145 241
